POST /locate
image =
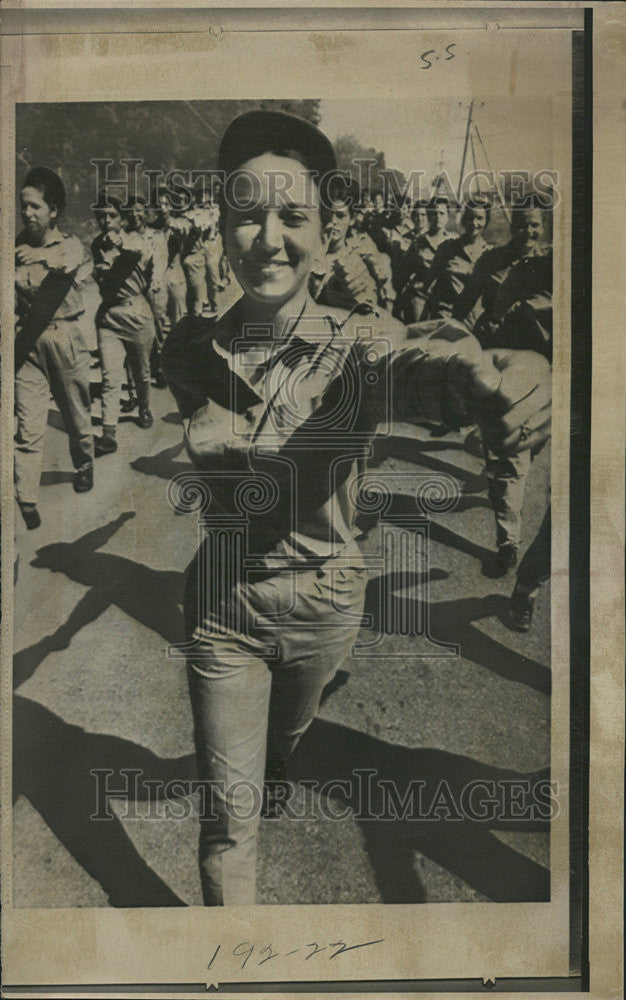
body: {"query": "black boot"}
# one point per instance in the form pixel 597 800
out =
pixel 106 444
pixel 31 515
pixel 83 480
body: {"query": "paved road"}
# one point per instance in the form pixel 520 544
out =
pixel 97 602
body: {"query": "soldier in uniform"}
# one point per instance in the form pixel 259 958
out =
pixel 454 262
pixel 214 258
pixel 418 259
pixel 167 238
pixel 271 616
pixel 419 217
pixel 398 238
pixel 51 355
pixel 513 284
pixel 135 218
pixel 379 221
pixel 124 320
pixel 352 271
pixel 197 223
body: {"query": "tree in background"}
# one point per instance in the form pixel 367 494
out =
pixel 165 135
pixel 350 153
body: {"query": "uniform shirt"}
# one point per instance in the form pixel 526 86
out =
pixel 398 242
pixel 198 225
pixel 124 277
pixel 501 276
pixel 124 272
pixel 419 257
pixel 328 284
pixel 214 214
pixel 399 238
pixel 516 298
pixel 378 224
pixel 68 257
pixel 301 411
pixel 158 241
pixel 451 268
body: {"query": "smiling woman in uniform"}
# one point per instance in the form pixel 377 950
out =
pixel 279 399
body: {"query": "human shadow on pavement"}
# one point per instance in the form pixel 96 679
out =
pixel 53 477
pixel 465 847
pixel 163 464
pixel 418 453
pixel 173 418
pixel 452 623
pixel 402 504
pixel 53 761
pixel 152 597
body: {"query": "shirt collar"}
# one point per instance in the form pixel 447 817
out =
pixel 297 328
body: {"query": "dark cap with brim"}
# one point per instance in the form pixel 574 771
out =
pixel 257 132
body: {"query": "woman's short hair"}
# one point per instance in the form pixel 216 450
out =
pixel 436 200
pixel 477 204
pixel 106 200
pixel 50 185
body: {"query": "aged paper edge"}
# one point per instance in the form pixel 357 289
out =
pixel 607 526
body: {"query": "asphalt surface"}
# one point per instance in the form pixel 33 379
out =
pixel 98 600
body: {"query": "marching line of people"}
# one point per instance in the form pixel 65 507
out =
pixel 267 632
pixel 149 276
pixel 406 261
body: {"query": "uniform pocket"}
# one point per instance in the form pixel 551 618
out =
pixel 343 588
pixel 65 345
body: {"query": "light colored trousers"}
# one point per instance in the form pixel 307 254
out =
pixel 169 303
pixel 254 691
pixel 58 364
pixel 507 481
pixel 194 266
pixel 113 353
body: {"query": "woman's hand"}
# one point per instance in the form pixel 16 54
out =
pixel 26 255
pixel 113 240
pixel 517 415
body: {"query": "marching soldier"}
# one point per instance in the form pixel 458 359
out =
pixel 202 254
pixel 454 262
pixel 418 259
pixel 51 355
pixel 399 237
pixel 167 239
pixel 514 286
pixel 135 218
pixel 124 321
pixel 352 271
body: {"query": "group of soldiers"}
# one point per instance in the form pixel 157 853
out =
pixel 151 273
pixel 151 267
pixel 155 265
pixel 408 260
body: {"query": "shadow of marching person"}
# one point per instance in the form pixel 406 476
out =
pixel 408 799
pixel 452 623
pixel 152 597
pixel 164 464
pixel 418 452
pixel 53 764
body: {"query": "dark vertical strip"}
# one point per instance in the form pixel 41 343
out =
pixel 582 218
